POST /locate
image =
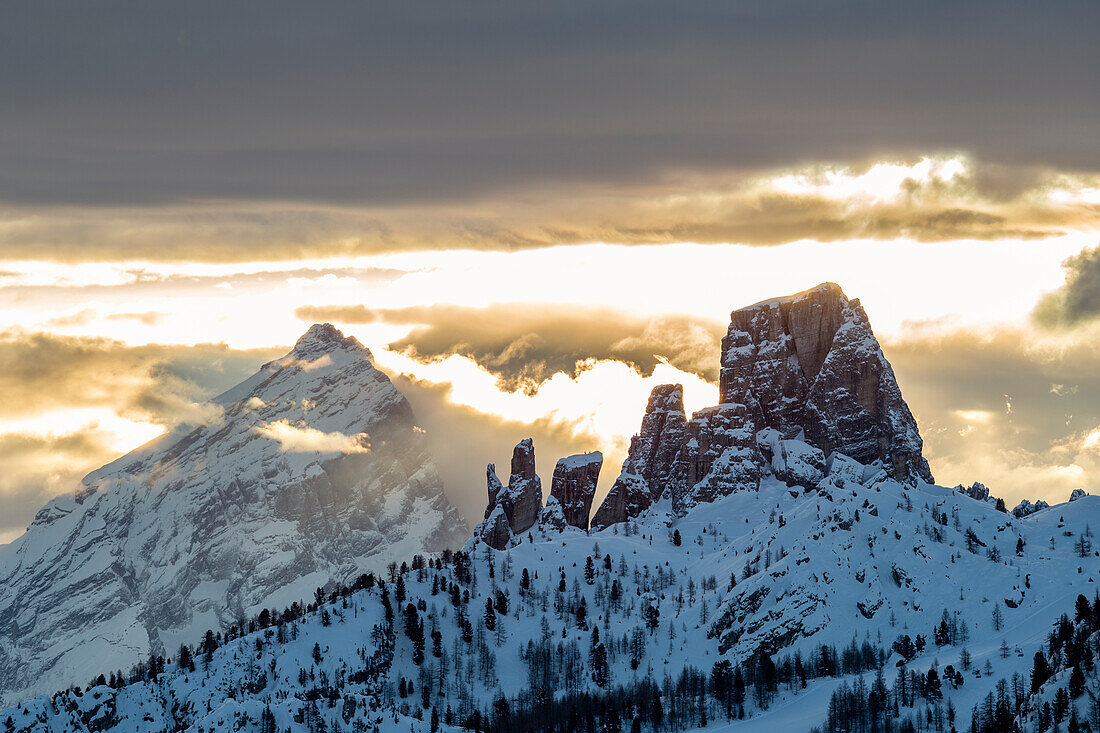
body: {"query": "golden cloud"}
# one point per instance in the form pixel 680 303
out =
pixel 165 385
pixel 931 199
pixel 73 404
pixel 525 344
pixel 1010 407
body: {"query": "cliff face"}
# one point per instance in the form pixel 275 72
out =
pixel 809 363
pixel 719 457
pixel 574 486
pixel 804 368
pixel 514 508
pixel 650 459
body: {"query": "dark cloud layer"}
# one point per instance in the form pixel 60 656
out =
pixel 526 343
pixel 1078 301
pixel 124 103
pixel 727 206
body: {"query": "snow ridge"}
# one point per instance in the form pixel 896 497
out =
pixel 314 472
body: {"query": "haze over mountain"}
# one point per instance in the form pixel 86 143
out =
pixel 311 472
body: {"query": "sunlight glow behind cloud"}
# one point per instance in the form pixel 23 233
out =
pixel 880 182
pixel 120 434
pixel 606 399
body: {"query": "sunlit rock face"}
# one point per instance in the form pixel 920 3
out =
pixel 512 509
pixel 315 472
pixel 574 486
pixel 809 364
pixel 802 380
pixel 650 459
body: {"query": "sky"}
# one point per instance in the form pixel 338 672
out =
pixel 532 213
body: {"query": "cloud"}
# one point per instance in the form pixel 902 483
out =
pixel 304 439
pixel 73 404
pixel 348 103
pixel 1009 407
pixel 463 439
pixel 927 198
pixel 472 418
pixel 1078 301
pixel 464 370
pixel 984 401
pixel 525 344
pixel 34 468
pixel 147 318
pixel 165 385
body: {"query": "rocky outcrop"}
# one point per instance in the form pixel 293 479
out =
pixel 809 365
pixel 1077 494
pixel 793 462
pixel 574 486
pixel 650 460
pixel 552 516
pixel 495 531
pixel 805 391
pixel 1026 508
pixel 523 499
pixel 719 457
pixel 512 509
pixel 976 491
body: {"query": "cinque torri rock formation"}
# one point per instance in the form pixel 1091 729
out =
pixel 514 508
pixel 804 384
pixel 803 380
pixel 314 473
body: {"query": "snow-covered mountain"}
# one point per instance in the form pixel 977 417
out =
pixel 313 470
pixel 754 577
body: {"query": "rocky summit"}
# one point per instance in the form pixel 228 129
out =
pixel 313 472
pixel 809 364
pixel 512 509
pixel 803 368
pixel 648 464
pixel 803 383
pixel 574 486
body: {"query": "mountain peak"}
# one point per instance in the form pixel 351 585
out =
pixel 826 292
pixel 324 338
pixel 803 368
pixel 810 364
pixel 214 520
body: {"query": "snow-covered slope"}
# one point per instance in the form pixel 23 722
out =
pixel 314 471
pixel 750 576
pixel 848 563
